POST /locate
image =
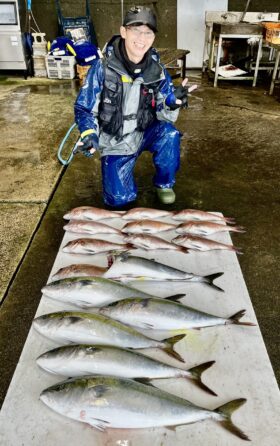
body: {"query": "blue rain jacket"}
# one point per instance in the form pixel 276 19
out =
pixel 88 101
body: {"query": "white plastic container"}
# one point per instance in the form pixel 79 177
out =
pixel 61 67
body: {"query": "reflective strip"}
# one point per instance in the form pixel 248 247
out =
pixel 71 49
pixel 87 132
pixel 126 79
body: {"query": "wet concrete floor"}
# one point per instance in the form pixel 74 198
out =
pixel 229 163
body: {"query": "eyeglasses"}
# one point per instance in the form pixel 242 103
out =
pixel 137 32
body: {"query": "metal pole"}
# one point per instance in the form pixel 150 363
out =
pixel 245 10
pixel 122 11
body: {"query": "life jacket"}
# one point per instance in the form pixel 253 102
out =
pixel 110 110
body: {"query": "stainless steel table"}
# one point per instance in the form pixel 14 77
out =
pixel 234 31
pixel 274 79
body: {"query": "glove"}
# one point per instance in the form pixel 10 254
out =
pixel 182 94
pixel 88 143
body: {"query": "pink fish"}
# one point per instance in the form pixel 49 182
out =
pixel 145 213
pixel 90 227
pixel 93 246
pixel 147 227
pixel 206 228
pixel 195 214
pixel 79 270
pixel 202 244
pixel 150 242
pixel 90 213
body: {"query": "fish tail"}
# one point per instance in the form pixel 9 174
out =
pixel 229 220
pixel 169 346
pixel 234 319
pixel 237 250
pixel 226 411
pixel 196 373
pixel 182 249
pixel 238 229
pixel 210 279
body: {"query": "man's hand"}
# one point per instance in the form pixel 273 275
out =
pixel 88 145
pixel 181 95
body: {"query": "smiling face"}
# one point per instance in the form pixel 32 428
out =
pixel 138 40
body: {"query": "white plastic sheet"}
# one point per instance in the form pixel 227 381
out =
pixel 242 366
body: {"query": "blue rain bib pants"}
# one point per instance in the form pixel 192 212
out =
pixel 162 139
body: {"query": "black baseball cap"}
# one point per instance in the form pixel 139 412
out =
pixel 140 15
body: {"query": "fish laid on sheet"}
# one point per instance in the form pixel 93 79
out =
pixel 147 227
pixel 151 242
pixel 127 267
pixel 86 292
pixel 79 270
pixel 82 360
pixel 90 227
pixel 94 246
pixel 73 327
pixel 206 228
pixel 90 213
pixel 145 213
pixel 202 244
pixel 110 402
pixel 165 314
pixel 195 214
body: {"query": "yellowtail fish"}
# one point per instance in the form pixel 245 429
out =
pixel 82 360
pixel 106 402
pixel 72 327
pixel 165 314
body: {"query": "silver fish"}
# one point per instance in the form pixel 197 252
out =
pixel 144 213
pixel 110 402
pixel 151 242
pixel 82 360
pixel 165 314
pixel 90 213
pixel 195 214
pixel 76 327
pixel 87 292
pixel 79 270
pixel 90 227
pixel 147 227
pixel 127 267
pixel 206 228
pixel 202 244
pixel 93 246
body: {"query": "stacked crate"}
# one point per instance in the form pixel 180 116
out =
pixel 61 67
pixel 39 54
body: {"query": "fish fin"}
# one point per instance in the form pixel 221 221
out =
pixel 210 279
pixel 196 373
pixel 171 428
pixel 169 346
pixel 98 424
pixel 237 229
pixel 229 220
pixel 175 297
pixel 182 249
pixel 226 411
pixel 145 381
pixel 234 319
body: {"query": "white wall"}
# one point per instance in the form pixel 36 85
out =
pixel 191 26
